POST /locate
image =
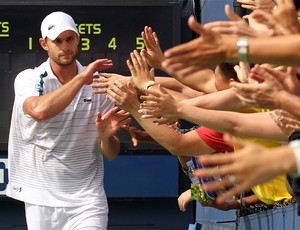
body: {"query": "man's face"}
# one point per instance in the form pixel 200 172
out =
pixel 220 82
pixel 64 49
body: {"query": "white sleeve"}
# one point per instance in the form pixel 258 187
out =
pixel 295 145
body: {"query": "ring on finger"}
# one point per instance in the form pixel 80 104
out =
pixel 232 179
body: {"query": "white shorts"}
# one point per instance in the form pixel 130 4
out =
pixel 89 217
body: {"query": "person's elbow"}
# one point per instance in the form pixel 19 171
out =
pixel 38 114
pixel 36 111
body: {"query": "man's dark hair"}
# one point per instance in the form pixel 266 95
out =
pixel 227 70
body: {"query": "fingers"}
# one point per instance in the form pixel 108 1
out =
pixel 195 26
pixel 134 63
pixel 110 113
pixel 271 74
pixel 106 75
pixel 185 48
pixel 243 89
pixel 134 141
pixel 134 59
pixel 146 54
pixel 114 97
pixel 182 205
pixel 130 66
pixel 152 75
pixel 138 60
pixel 147 113
pixel 152 96
pixel 148 37
pixel 231 15
pixel 124 122
pixel 104 64
pixel 98 118
pixel 100 87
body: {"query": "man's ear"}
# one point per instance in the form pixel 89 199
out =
pixel 231 80
pixel 43 44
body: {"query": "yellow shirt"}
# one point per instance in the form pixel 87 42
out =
pixel 275 189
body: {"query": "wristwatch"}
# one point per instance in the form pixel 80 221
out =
pixel 147 85
pixel 242 48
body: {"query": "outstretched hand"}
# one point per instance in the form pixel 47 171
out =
pixel 241 170
pixel 153 52
pixel 264 94
pixel 89 72
pixel 101 83
pixel 203 52
pixel 124 96
pixel 266 5
pixel 109 123
pixel 139 70
pixel 160 105
pixel 236 25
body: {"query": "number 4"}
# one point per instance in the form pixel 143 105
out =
pixel 112 44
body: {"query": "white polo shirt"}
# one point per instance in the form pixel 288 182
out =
pixel 56 162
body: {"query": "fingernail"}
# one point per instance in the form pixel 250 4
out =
pixel 170 71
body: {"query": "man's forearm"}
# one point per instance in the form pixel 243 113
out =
pixel 110 147
pixel 288 102
pixel 51 104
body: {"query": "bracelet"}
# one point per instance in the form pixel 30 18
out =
pixel 295 145
pixel 242 48
pixel 147 85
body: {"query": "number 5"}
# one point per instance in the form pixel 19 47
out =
pixel 139 43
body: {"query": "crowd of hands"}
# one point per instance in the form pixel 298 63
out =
pixel 259 87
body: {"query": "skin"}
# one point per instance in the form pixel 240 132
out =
pixel 160 104
pixel 127 100
pixel 200 81
pixel 62 53
pixel 236 25
pixel 266 5
pixel 212 48
pixel 261 23
pixel 282 21
pixel 240 124
pixel 245 167
pixel 188 144
pixel 108 126
pixel 277 90
pixel 224 100
pixel 285 121
pixel 185 198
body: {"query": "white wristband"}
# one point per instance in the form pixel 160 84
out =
pixel 295 145
pixel 242 48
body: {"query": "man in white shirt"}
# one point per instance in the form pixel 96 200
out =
pixel 55 148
